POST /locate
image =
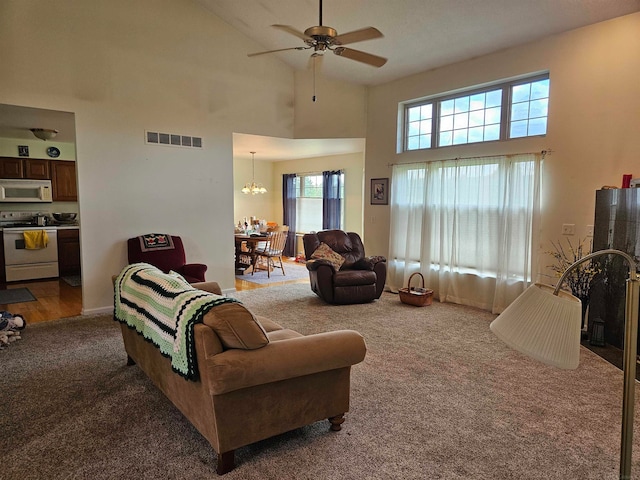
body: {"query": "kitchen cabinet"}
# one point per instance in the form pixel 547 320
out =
pixel 36 169
pixel 69 251
pixel 11 168
pixel 31 168
pixel 63 180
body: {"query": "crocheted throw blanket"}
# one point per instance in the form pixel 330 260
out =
pixel 164 308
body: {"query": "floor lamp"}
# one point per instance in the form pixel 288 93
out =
pixel 545 322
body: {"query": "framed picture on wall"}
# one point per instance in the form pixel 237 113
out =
pixel 379 191
pixel 23 150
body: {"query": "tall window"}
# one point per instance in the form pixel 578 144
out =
pixel 309 202
pixel 500 112
pixel 310 199
pixel 467 225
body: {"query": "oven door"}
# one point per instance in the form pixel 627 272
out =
pixel 26 264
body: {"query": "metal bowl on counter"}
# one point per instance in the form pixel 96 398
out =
pixel 64 217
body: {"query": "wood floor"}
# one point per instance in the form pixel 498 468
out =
pixel 56 299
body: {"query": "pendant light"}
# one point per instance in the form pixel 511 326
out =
pixel 44 133
pixel 253 188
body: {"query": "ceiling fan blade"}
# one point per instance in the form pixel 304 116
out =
pixel 359 56
pixel 278 50
pixel 292 31
pixel 357 36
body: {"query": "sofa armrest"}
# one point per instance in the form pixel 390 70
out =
pixel 280 360
pixel 376 259
pixel 211 287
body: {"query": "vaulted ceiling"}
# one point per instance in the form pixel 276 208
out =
pixel 419 35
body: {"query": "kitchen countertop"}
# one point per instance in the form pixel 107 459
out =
pixel 65 227
pixel 37 227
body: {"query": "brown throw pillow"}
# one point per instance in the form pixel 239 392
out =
pixel 324 252
pixel 236 326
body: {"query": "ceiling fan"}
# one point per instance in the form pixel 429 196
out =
pixel 321 38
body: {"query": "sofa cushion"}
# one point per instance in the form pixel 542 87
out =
pixel 324 252
pixel 236 327
pixel 268 324
pixel 284 334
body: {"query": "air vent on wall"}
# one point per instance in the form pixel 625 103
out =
pixel 173 140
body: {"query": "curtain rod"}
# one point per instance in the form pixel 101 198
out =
pixel 544 153
pixel 341 170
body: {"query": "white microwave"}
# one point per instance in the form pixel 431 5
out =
pixel 32 191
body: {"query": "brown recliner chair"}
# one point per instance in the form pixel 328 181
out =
pixel 359 279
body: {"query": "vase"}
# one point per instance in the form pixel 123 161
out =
pixel 584 301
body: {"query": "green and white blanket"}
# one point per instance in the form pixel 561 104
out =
pixel 163 308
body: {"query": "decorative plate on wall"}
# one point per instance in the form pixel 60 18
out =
pixel 53 152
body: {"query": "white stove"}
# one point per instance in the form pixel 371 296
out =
pixel 23 263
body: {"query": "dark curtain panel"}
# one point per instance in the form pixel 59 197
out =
pixel 289 211
pixel 331 201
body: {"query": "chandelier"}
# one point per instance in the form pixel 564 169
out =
pixel 253 188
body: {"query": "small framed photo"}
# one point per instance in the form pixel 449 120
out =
pixel 379 191
pixel 23 150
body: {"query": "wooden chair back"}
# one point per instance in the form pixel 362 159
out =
pixel 276 241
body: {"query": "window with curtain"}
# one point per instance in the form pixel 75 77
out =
pixel 468 225
pixel 319 201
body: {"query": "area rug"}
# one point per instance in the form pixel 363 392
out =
pixel 293 271
pixel 438 396
pixel 16 295
pixel 73 280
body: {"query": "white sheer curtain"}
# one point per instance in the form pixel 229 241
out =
pixel 468 225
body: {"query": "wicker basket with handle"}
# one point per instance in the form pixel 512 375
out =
pixel 417 296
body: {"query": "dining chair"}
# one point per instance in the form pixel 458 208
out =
pixel 275 243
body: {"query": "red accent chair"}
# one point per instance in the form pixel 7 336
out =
pixel 174 259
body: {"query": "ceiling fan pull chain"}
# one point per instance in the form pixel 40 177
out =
pixel 314 76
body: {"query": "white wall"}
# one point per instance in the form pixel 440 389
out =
pixel 123 67
pixel 340 109
pixel 594 113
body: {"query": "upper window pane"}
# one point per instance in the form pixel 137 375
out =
pixel 508 110
pixel 529 109
pixel 471 114
pixel 419 127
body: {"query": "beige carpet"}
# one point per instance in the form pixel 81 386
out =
pixel 438 397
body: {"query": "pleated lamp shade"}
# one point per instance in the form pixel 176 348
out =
pixel 543 326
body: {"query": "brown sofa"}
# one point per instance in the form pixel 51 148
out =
pixel 353 277
pixel 246 395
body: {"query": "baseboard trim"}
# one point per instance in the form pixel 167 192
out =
pixel 97 311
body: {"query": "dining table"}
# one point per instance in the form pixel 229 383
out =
pixel 246 245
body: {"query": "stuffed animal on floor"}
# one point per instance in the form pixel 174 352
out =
pixel 10 327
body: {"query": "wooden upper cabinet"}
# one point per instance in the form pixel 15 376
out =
pixel 11 167
pixel 63 180
pixel 31 168
pixel 36 169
